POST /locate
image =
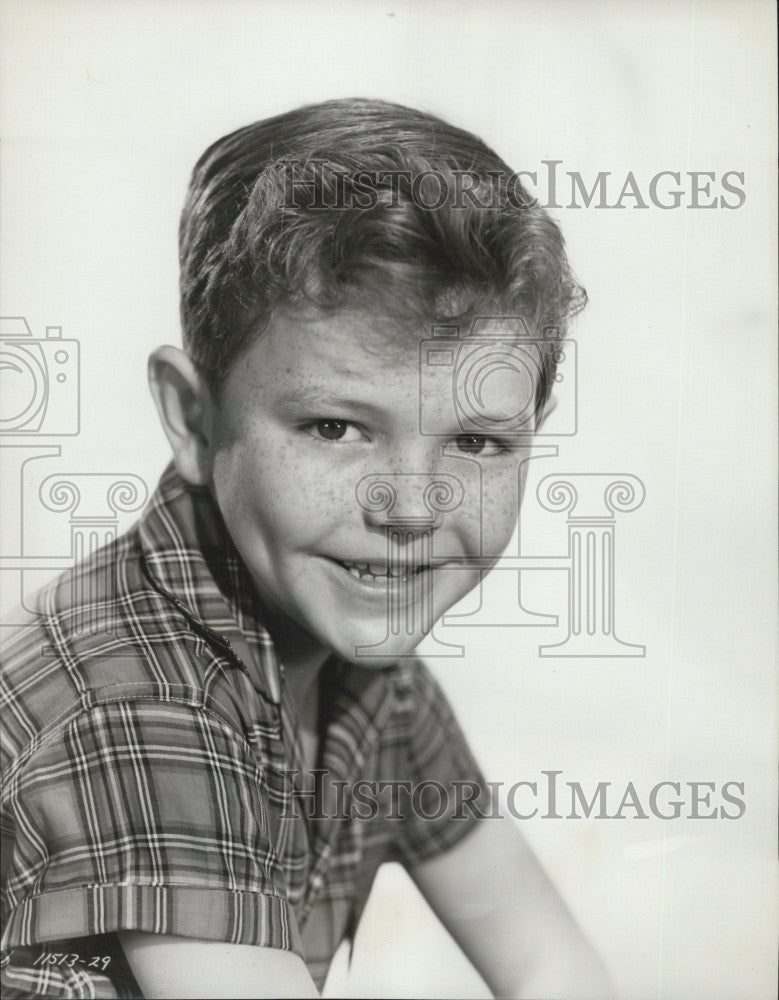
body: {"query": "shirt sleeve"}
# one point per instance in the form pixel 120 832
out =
pixel 146 815
pixel 448 793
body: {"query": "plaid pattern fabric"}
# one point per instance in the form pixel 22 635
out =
pixel 153 780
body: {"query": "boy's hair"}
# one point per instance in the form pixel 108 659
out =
pixel 362 203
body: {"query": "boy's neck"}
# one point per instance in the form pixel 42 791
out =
pixel 300 653
pixel 301 658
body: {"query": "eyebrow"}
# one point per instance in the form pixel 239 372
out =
pixel 320 396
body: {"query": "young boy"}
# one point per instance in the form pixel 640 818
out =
pixel 216 730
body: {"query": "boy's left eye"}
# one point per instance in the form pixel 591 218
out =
pixel 331 429
pixel 477 444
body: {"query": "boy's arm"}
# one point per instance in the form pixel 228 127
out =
pixel 494 898
pixel 173 967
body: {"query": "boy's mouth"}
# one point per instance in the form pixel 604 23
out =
pixel 379 572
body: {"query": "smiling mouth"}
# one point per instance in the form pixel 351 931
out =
pixel 379 572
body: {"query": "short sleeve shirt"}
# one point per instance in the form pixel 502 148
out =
pixel 152 776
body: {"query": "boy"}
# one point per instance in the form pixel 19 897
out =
pixel 201 784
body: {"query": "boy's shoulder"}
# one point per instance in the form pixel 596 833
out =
pixel 109 628
pixel 78 610
pixel 97 630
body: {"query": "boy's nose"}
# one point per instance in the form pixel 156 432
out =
pixel 416 501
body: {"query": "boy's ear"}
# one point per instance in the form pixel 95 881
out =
pixel 186 409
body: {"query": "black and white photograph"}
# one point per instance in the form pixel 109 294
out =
pixel 388 463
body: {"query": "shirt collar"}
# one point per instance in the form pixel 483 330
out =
pixel 190 556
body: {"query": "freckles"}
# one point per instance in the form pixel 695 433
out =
pixel 502 497
pixel 299 490
pixel 501 514
pixel 332 499
pixel 328 495
pixel 500 522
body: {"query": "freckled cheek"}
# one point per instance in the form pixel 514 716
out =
pixel 252 488
pixel 483 529
pixel 317 487
pixel 292 497
pixel 500 514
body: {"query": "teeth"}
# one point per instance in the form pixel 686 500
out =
pixel 379 571
pixel 362 571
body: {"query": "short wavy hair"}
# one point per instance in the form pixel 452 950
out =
pixel 250 242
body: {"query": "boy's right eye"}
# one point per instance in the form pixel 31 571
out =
pixel 331 429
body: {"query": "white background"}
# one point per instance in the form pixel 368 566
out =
pixel 105 108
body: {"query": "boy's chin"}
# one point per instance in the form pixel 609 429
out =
pixel 375 655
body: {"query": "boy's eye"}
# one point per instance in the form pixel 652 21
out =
pixel 335 430
pixel 478 444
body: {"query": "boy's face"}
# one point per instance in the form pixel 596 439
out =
pixel 317 404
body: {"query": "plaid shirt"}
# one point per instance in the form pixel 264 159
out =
pixel 153 780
